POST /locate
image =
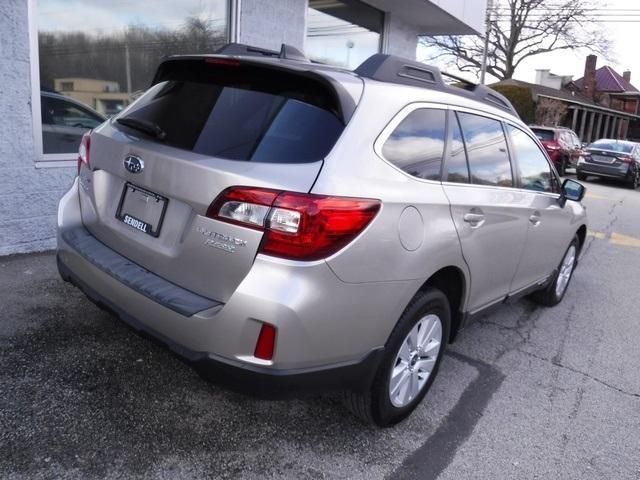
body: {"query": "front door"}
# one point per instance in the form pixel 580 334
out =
pixel 489 214
pixel 547 219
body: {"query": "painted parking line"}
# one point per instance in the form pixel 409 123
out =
pixel 595 196
pixel 625 240
pixel 616 238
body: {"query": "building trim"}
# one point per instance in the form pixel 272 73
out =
pixel 50 159
pixel 592 107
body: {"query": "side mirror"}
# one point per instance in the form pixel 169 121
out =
pixel 572 190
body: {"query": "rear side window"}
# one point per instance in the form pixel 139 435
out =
pixel 486 150
pixel 535 172
pixel 612 145
pixel 416 146
pixel 543 134
pixel 240 113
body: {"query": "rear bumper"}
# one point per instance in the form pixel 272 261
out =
pixel 253 380
pixel 622 172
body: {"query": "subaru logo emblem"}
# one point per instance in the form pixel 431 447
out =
pixel 133 164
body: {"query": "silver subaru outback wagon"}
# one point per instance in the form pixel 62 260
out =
pixel 291 228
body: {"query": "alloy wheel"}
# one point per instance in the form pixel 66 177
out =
pixel 568 262
pixel 415 360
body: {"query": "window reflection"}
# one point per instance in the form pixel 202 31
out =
pixel 417 144
pixel 104 54
pixel 343 33
pixel 457 168
pixel 535 172
pixel 487 150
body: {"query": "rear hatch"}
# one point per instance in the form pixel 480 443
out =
pixel 206 124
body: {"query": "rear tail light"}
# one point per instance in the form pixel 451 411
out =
pixel 297 226
pixel 266 342
pixel 84 152
pixel 552 146
pixel 627 159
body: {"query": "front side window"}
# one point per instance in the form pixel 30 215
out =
pixel 104 54
pixel 416 146
pixel 486 150
pixel 535 171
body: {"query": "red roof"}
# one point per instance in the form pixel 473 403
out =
pixel 608 80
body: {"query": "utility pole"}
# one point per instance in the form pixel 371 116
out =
pixel 487 33
pixel 127 61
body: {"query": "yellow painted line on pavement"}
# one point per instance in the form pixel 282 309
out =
pixel 624 240
pixel 595 196
pixel 600 235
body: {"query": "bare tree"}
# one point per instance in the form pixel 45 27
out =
pixel 550 112
pixel 521 29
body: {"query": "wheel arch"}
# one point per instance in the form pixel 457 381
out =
pixel 452 281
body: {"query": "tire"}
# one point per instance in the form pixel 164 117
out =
pixel 553 294
pixel 376 405
pixel 563 167
pixel 634 183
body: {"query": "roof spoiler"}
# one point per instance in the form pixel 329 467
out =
pixel 393 69
pixel 287 52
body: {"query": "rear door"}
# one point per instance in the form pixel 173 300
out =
pixel 489 214
pixel 202 128
pixel 548 224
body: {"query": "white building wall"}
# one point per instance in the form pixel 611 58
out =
pixel 471 12
pixel 400 37
pixel 269 23
pixel 28 196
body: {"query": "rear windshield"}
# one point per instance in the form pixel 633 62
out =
pixel 613 146
pixel 240 113
pixel 543 135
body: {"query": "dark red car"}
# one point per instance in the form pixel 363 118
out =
pixel 562 145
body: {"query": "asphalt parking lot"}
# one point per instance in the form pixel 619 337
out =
pixel 527 392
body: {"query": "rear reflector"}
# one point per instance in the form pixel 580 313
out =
pixel 297 226
pixel 266 342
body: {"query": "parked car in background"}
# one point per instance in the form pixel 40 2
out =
pixel 226 213
pixel 64 121
pixel 562 145
pixel 619 159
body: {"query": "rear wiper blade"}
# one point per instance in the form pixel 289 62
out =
pixel 145 126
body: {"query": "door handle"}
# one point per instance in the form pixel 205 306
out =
pixel 535 219
pixel 474 219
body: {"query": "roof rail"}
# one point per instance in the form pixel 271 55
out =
pixel 287 52
pixel 393 69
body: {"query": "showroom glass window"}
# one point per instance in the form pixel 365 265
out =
pixel 343 32
pixel 96 56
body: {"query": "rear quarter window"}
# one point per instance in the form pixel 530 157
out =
pixel 543 134
pixel 416 145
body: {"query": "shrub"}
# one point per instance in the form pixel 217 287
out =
pixel 522 100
